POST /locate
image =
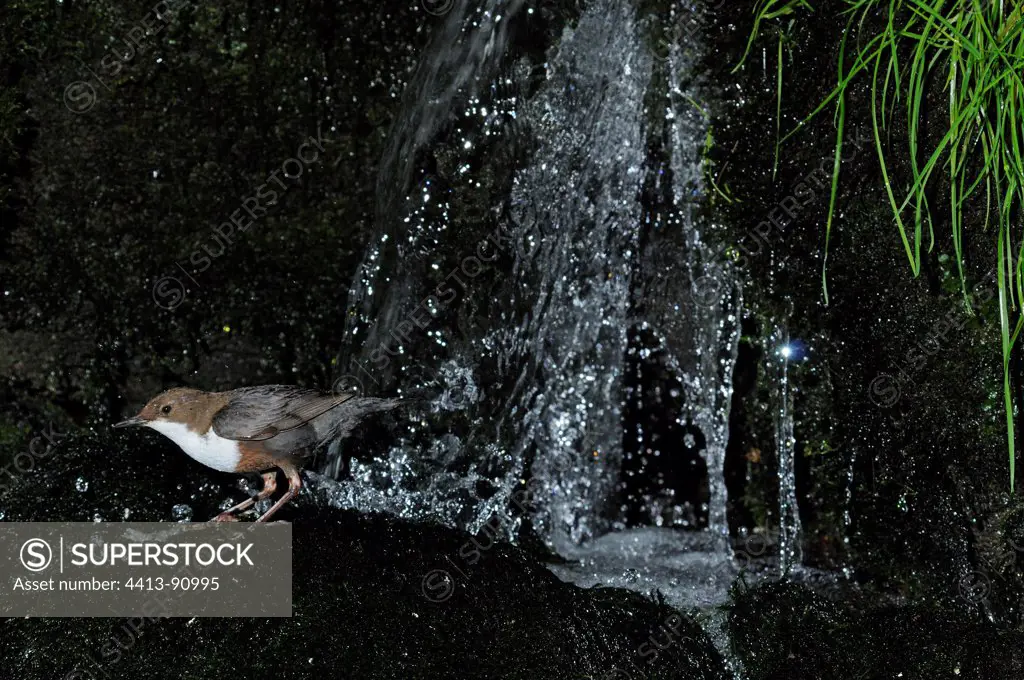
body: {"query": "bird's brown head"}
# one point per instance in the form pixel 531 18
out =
pixel 184 405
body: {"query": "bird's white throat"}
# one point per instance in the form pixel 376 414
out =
pixel 209 449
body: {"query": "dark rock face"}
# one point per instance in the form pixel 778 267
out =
pixel 787 631
pixel 374 597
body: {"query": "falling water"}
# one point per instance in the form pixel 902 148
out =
pixel 459 62
pixel 462 57
pixel 790 549
pixel 580 192
pixel 693 301
pixel 709 381
pixel 848 506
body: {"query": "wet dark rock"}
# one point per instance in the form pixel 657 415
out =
pixel 134 475
pixel 783 630
pixel 995 583
pixel 374 596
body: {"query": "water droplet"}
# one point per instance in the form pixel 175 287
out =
pixel 181 512
pixel 81 485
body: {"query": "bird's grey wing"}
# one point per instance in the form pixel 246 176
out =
pixel 259 413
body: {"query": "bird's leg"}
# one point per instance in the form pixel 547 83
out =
pixel 269 486
pixel 294 484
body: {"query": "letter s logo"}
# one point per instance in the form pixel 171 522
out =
pixel 36 554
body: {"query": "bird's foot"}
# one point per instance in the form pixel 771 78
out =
pixel 225 517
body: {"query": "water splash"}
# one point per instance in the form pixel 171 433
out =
pixel 689 324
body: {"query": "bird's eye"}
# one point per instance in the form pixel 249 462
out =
pixel 166 409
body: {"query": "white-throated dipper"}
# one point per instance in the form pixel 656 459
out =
pixel 255 429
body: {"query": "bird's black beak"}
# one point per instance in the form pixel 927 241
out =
pixel 131 421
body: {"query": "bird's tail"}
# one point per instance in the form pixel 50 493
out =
pixel 339 422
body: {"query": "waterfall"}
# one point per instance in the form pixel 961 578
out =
pixel 516 247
